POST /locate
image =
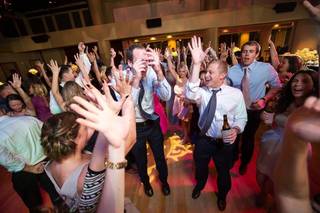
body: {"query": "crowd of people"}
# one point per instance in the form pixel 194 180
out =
pixel 76 140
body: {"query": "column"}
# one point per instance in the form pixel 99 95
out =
pixel 211 34
pixel 95 7
pixel 104 50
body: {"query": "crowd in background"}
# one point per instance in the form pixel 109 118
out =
pixel 73 128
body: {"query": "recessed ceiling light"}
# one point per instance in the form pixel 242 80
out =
pixel 276 25
pixel 225 30
pixel 153 38
pixel 169 36
pixel 136 40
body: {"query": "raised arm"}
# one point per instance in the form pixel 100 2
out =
pixel 197 57
pixel 273 54
pixel 171 67
pixel 92 58
pixel 95 50
pixel 193 91
pixel 83 68
pixel 113 55
pixel 53 65
pixel 223 52
pixel 178 56
pixel 291 174
pixel 16 84
pixel 313 10
pixel 116 130
pixel 162 88
pixel 43 72
pixel 233 57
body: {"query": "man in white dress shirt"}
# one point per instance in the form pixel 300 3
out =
pixel 224 100
pixel 149 79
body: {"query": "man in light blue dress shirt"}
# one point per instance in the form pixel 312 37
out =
pixel 148 79
pixel 253 75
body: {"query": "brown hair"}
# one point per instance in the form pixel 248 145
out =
pixel 71 89
pixel 58 134
pixel 252 43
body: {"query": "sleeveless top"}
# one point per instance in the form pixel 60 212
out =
pixel 68 190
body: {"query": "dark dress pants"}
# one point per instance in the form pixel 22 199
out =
pixel 150 131
pixel 26 184
pixel 248 135
pixel 222 155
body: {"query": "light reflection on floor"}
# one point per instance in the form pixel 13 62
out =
pixel 174 150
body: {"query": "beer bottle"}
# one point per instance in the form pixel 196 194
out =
pixel 226 125
pixel 225 130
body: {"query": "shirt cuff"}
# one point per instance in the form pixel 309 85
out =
pixel 192 85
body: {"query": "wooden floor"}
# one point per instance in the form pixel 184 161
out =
pixel 241 198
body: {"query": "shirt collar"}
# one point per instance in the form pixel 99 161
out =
pixel 251 66
pixel 222 87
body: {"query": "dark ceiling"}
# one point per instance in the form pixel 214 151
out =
pixel 23 6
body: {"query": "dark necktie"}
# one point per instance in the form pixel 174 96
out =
pixel 245 87
pixel 143 113
pixel 208 113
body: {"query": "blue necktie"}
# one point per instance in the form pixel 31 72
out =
pixel 208 113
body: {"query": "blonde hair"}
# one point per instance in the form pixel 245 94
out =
pixel 39 89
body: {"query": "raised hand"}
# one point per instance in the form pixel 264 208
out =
pixel 153 57
pixel 95 49
pixel 16 81
pixel 208 48
pixel 81 47
pixel 167 54
pixel 40 65
pixel 112 53
pixel 92 57
pixel 120 53
pixel 223 51
pixel 123 83
pixel 104 117
pixel 79 61
pixel 196 50
pixel 140 67
pixel 53 65
pixel 313 10
pixel 305 121
pixel 232 46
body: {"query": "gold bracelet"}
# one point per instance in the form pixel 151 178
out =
pixel 119 165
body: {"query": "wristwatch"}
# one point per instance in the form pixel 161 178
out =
pixel 119 165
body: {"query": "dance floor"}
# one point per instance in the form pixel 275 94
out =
pixel 241 198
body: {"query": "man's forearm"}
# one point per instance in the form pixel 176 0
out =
pixel 159 72
pixel 195 73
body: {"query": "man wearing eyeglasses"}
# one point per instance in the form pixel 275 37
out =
pixel 252 76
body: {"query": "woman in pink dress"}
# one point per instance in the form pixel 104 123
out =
pixel 182 107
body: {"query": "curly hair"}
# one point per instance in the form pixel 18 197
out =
pixel 58 134
pixel 286 97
